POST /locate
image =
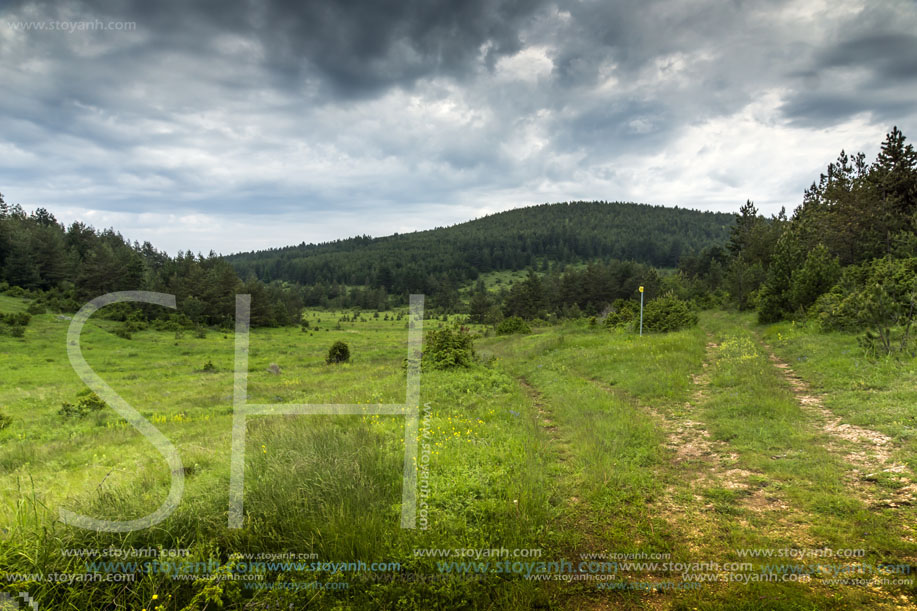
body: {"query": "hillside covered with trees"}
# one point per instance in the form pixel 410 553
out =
pixel 531 237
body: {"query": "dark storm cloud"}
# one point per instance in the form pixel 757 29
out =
pixel 867 64
pixel 356 47
pixel 892 56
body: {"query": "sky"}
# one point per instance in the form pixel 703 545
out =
pixel 233 126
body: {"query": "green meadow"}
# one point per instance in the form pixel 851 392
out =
pixel 575 467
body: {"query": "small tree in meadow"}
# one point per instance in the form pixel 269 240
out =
pixel 448 347
pixel 338 353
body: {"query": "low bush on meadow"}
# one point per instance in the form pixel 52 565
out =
pixel 338 353
pixel 14 324
pixel 447 348
pixel 513 324
pixel 668 313
pixel 87 403
pixel 622 313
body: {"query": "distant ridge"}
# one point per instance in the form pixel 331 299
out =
pixel 568 232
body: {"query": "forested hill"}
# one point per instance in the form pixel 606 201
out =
pixel 511 240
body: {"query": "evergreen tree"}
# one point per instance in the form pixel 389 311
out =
pixel 479 305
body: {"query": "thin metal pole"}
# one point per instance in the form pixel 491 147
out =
pixel 641 313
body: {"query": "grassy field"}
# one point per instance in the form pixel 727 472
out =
pixel 729 466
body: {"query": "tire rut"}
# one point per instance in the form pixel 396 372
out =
pixel 869 453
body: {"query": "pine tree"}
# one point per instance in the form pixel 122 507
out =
pixel 746 220
pixel 894 176
pixel 479 305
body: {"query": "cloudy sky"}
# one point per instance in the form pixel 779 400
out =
pixel 241 125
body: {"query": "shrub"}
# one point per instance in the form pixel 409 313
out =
pixel 513 324
pixel 668 313
pixel 338 353
pixel 35 308
pixel 123 331
pixel 889 305
pixel 88 402
pixel 623 311
pixel 135 321
pixel 208 366
pixel 13 330
pixel 20 319
pixel 840 308
pixel 447 348
pixel 175 322
pixel 880 296
pixel 5 421
pixel 815 278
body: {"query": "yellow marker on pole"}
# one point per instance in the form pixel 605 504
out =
pixel 641 311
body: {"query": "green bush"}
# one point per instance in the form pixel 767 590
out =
pixel 447 348
pixel 20 319
pixel 14 324
pixel 879 297
pixel 623 311
pixel 513 324
pixel 338 353
pixel 5 421
pixel 175 322
pixel 840 308
pixel 668 313
pixel 35 308
pixel 87 403
pixel 12 330
pixel 815 278
pixel 135 321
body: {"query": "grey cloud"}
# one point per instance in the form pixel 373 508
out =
pixel 892 55
pixel 355 47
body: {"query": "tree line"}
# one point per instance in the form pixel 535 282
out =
pixel 846 258
pixel 67 266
